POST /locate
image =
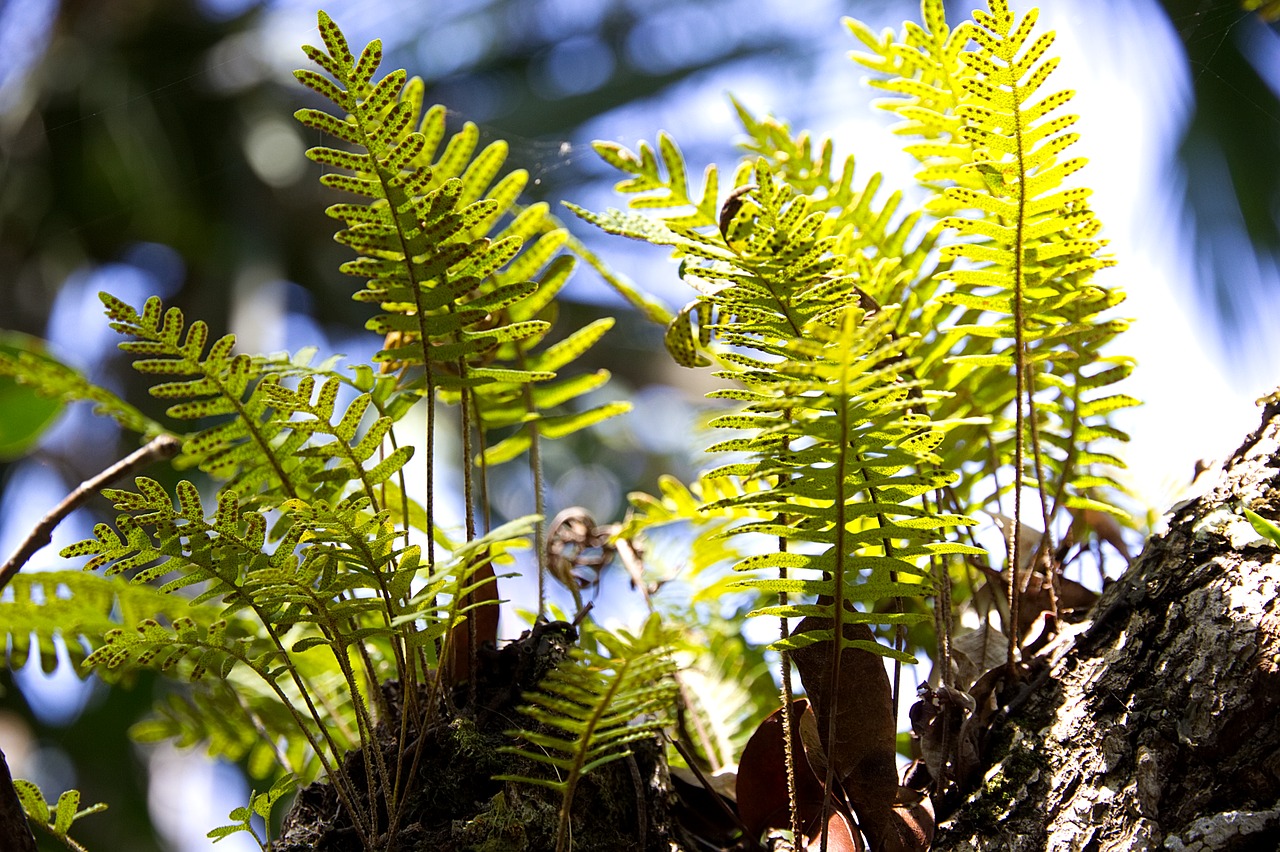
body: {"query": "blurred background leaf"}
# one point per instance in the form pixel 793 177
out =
pixel 26 413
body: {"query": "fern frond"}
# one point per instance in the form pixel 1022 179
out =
pixel 922 71
pixel 1029 253
pixel 836 426
pixel 77 608
pixel 1016 333
pixel 867 230
pixel 55 819
pixel 233 721
pixel 850 460
pixel 592 705
pixel 246 447
pixel 422 238
pixel 705 508
pixel 342 460
pixel 51 378
pixel 725 687
pixel 437 605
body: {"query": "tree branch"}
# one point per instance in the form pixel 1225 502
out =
pixel 157 449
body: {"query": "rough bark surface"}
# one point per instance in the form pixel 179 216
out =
pixel 15 833
pixel 1156 725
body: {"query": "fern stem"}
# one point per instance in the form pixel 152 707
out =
pixel 393 191
pixel 1020 371
pixel 469 511
pixel 539 496
pixel 482 445
pixel 364 721
pixel 788 693
pixel 838 568
pixel 788 741
pixel 1039 464
pixel 337 775
pixel 942 607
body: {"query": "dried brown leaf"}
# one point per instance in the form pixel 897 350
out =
pixel 863 755
pixel 841 835
pixel 762 777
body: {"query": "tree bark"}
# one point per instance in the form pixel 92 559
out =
pixel 15 831
pixel 1156 725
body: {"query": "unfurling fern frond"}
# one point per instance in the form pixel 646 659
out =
pixel 591 706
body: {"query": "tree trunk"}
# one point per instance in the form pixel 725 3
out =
pixel 1157 724
pixel 15 832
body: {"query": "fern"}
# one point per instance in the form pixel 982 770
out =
pixel 75 608
pixel 466 308
pixel 260 804
pixel 1025 270
pixel 882 377
pixel 57 819
pixel 592 706
pixel 865 227
pixel 241 448
pixel 769 278
pixel 51 378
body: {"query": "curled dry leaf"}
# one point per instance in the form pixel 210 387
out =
pixel 814 751
pixel 912 824
pixel 973 654
pixel 947 743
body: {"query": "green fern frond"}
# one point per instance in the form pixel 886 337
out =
pixel 342 460
pixel 850 459
pixel 835 420
pixel 437 604
pixel 58 818
pixel 1017 333
pixel 706 508
pixel 421 238
pixel 592 705
pixel 923 72
pixel 231 723
pixel 868 230
pixel 51 378
pixel 245 447
pixel 663 185
pixel 206 648
pixel 77 608
pixel 725 687
pixel 1030 253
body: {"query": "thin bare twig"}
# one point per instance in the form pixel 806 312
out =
pixel 157 449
